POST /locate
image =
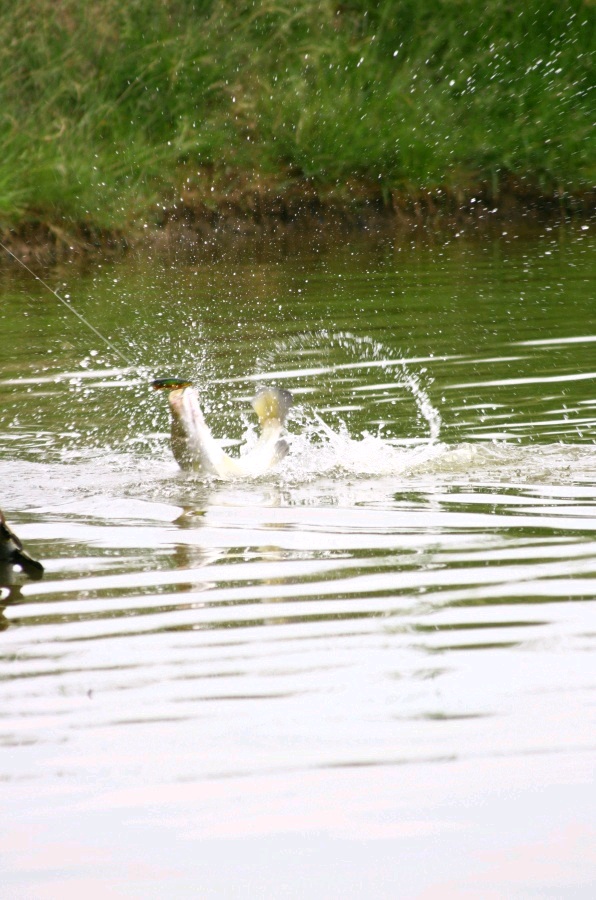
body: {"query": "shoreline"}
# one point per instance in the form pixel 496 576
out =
pixel 250 211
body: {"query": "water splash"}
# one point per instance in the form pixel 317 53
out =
pixel 334 358
pixel 108 410
pixel 343 447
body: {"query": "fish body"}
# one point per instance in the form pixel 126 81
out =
pixel 195 448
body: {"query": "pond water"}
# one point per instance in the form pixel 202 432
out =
pixel 369 673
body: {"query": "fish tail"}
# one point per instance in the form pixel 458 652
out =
pixel 272 405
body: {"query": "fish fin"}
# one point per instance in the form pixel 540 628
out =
pixel 272 405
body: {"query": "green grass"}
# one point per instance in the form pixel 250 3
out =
pixel 109 109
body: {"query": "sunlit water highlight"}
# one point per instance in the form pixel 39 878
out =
pixel 383 650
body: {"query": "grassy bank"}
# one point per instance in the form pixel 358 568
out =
pixel 111 112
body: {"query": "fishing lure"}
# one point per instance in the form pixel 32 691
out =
pixel 170 384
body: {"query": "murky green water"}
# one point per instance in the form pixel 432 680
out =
pixel 370 674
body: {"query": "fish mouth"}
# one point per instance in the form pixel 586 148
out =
pixel 170 384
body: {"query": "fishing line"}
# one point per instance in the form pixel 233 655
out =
pixel 71 308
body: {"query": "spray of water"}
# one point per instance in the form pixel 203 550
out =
pixel 138 416
pixel 333 360
pixel 327 367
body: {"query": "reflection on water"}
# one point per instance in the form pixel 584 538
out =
pixel 387 639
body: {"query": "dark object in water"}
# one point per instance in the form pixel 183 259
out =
pixel 170 384
pixel 12 552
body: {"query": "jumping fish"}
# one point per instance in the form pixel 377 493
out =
pixel 195 448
